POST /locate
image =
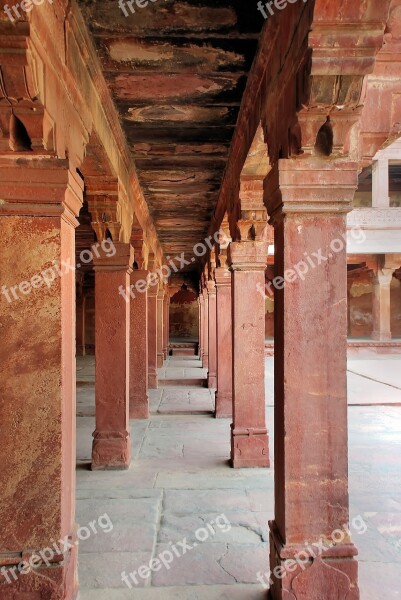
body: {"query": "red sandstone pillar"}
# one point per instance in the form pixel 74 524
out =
pixel 205 334
pixel 138 378
pixel 160 329
pixel 166 307
pixel 249 437
pixel 311 463
pixel 224 395
pixel 200 326
pixel 212 373
pixel 40 199
pixel 112 443
pixel 152 335
pixel 382 305
pixel 350 282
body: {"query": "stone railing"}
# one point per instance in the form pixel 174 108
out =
pixel 375 218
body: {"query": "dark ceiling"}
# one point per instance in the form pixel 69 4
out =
pixel 177 72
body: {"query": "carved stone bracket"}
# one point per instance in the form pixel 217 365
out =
pixel 25 125
pixel 102 194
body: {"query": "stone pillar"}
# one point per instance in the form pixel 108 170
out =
pixel 80 316
pixel 152 335
pixel 40 200
pixel 308 210
pixel 224 395
pixel 200 348
pixel 166 336
pixel 381 308
pixel 249 437
pixel 160 329
pixel 138 378
pixel 112 443
pixel 205 333
pixel 380 184
pixel 212 373
pixel 350 283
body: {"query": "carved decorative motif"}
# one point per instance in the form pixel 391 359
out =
pixel 320 581
pixel 375 218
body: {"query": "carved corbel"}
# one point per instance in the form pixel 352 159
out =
pixel 25 124
pixel 102 194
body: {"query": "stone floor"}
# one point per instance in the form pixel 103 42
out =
pixel 180 486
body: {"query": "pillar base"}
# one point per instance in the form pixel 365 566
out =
pixel 54 581
pixel 211 381
pixel 152 381
pixel 224 406
pixel 160 360
pixel 111 450
pixel 382 336
pixel 249 448
pixel 308 571
pixel 139 408
pixel 205 361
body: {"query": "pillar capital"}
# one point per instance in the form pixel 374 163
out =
pixel 222 277
pixel 118 257
pixel 248 255
pixel 311 185
pixel 46 187
pixel 153 287
pixel 140 275
pixel 382 277
pixel 211 287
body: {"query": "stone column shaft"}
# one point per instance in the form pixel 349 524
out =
pixel 40 200
pixel 166 307
pixel 382 305
pixel 200 348
pixel 249 438
pixel 152 336
pixel 311 460
pixel 224 394
pixel 160 329
pixel 112 443
pixel 138 397
pixel 381 184
pixel 212 372
pixel 205 334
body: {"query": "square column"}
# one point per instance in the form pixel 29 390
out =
pixel 212 372
pixel 112 443
pixel 205 333
pixel 200 348
pixel 152 335
pixel 308 211
pixel 138 377
pixel 166 337
pixel 380 184
pixel 224 394
pixel 382 305
pixel 40 200
pixel 249 435
pixel 160 329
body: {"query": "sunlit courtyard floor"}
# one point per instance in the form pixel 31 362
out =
pixel 180 483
